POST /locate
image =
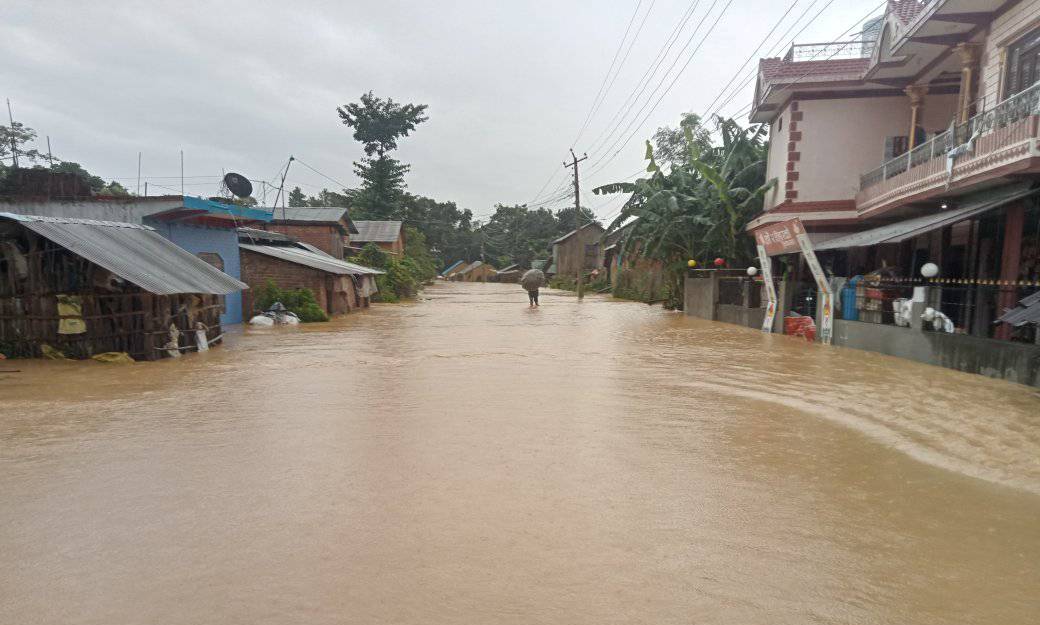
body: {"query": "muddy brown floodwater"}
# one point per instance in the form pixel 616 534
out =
pixel 465 459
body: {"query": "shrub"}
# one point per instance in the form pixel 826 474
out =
pixel 299 301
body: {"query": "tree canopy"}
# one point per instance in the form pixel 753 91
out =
pixel 379 123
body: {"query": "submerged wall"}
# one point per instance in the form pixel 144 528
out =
pixel 222 242
pixel 1015 362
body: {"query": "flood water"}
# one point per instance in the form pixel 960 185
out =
pixel 465 459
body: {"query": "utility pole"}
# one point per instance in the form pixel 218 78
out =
pixel 577 221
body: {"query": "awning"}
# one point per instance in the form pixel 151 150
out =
pixel 895 233
pixel 310 259
pixel 133 252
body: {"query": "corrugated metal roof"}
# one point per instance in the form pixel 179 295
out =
pixel 332 215
pixel 133 252
pixel 451 266
pixel 903 230
pixel 471 267
pixel 327 214
pixel 307 258
pixel 1027 311
pixel 376 232
pixel 252 235
pixel 572 232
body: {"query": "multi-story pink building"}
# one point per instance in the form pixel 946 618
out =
pixel 917 143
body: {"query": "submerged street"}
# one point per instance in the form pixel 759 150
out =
pixel 466 459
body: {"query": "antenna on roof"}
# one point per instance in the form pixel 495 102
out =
pixel 281 187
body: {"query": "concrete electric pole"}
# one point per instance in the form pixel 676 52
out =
pixel 577 221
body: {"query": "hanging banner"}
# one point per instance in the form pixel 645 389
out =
pixel 826 323
pixel 766 263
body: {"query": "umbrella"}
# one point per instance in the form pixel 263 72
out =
pixel 532 279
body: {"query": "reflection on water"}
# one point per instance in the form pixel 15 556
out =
pixel 468 460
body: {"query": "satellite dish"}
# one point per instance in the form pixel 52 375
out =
pixel 238 184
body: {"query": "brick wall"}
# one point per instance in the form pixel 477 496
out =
pixel 257 269
pixel 326 238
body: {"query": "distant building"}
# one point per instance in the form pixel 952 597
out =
pixel 476 272
pixel 578 250
pixel 455 266
pixel 203 227
pixel 83 287
pixel 388 235
pixel 327 228
pixel 510 274
pixel 338 286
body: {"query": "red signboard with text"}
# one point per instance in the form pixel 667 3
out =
pixel 780 238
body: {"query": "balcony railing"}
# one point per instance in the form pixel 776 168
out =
pixel 1009 112
pixel 858 49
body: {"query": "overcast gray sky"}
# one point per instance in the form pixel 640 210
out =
pixel 241 85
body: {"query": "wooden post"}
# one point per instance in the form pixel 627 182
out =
pixel 916 93
pixel 1010 261
pixel 969 57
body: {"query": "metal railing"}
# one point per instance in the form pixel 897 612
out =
pixel 856 49
pixel 1016 108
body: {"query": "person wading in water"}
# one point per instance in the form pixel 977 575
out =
pixel 532 280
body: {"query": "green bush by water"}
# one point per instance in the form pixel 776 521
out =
pixel 301 302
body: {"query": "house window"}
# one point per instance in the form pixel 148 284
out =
pixel 1023 64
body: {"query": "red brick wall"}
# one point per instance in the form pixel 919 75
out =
pixel 258 268
pixel 326 238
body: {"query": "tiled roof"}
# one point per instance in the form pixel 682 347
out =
pixel 906 10
pixel 376 232
pixel 773 69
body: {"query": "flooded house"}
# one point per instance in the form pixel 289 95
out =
pixel 76 288
pixel 509 274
pixel 338 286
pixel 909 161
pixel 578 251
pixel 454 269
pixel 326 228
pixel 201 226
pixel 477 271
pixel 388 235
pixel 451 268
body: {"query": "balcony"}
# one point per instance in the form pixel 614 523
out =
pixel 996 143
pixel 858 49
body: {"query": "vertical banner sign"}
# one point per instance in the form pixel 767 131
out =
pixel 767 275
pixel 826 297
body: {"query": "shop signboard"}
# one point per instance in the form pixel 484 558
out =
pixel 788 237
pixel 779 238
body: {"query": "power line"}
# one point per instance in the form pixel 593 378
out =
pixel 627 53
pixel 666 91
pixel 780 43
pixel 753 74
pixel 813 57
pixel 595 100
pixel 754 52
pixel 327 177
pixel 598 146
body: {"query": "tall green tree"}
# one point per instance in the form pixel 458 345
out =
pixel 297 198
pixel 378 124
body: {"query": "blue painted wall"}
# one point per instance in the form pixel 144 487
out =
pixel 221 241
